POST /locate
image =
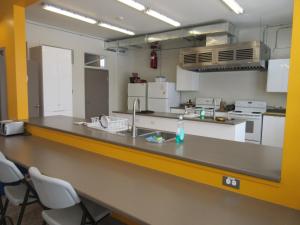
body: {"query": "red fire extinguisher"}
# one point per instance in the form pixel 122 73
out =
pixel 153 61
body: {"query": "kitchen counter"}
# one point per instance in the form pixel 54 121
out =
pixel 274 114
pixel 243 158
pixel 144 195
pixel 175 116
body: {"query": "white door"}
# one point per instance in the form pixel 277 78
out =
pixel 137 90
pixel 131 101
pixel 57 81
pixel 158 90
pixel 65 81
pixel 50 81
pixel 158 105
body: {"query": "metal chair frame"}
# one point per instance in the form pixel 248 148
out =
pixel 30 193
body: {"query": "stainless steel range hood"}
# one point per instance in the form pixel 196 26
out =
pixel 229 57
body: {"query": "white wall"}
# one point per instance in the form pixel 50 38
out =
pixel 38 34
pixel 228 85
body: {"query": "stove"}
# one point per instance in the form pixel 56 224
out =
pixel 251 111
pixel 208 105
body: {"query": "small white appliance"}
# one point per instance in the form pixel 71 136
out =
pixel 251 111
pixel 208 105
pixel 137 90
pixel 9 127
pixel 162 96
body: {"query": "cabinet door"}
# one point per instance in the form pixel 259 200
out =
pixel 57 81
pixel 273 131
pixel 50 81
pixel 65 81
pixel 278 75
pixel 186 80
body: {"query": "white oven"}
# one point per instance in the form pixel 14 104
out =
pixel 253 126
pixel 251 111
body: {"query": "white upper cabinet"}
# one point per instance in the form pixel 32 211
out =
pixel 187 80
pixel 278 75
pixel 56 79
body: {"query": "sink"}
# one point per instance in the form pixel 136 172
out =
pixel 145 133
pixel 191 115
pixel 167 136
pixel 139 132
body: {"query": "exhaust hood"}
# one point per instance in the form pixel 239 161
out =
pixel 229 57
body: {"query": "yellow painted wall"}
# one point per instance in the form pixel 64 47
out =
pixel 13 39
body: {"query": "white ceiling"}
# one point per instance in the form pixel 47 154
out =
pixel 188 12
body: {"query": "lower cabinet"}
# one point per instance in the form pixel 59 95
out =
pixel 273 131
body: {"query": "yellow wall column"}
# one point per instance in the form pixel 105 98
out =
pixel 13 40
pixel 291 152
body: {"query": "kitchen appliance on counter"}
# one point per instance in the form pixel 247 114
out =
pixel 208 105
pixel 252 112
pixel 137 90
pixel 162 96
pixel 9 127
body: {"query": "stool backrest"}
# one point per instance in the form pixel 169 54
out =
pixel 9 172
pixel 53 193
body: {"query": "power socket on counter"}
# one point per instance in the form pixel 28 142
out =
pixel 231 182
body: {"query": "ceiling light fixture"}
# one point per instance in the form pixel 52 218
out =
pixel 234 6
pixel 163 18
pixel 109 26
pixel 69 14
pixel 133 4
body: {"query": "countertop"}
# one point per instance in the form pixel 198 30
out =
pixel 175 116
pixel 274 114
pixel 148 196
pixel 244 158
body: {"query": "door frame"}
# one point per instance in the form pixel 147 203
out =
pixel 3 100
pixel 108 87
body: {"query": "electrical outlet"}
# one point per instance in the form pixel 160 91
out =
pixel 231 182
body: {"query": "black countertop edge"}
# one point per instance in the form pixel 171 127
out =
pixel 175 116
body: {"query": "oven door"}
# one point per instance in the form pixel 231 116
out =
pixel 253 127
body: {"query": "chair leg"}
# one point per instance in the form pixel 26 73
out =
pixel 3 213
pixel 23 207
pixel 83 220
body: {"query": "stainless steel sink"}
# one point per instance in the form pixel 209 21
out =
pixel 145 133
pixel 167 136
pixel 139 132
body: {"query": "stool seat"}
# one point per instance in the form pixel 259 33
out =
pixel 73 215
pixel 16 194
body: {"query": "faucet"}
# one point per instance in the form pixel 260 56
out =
pixel 214 109
pixel 133 127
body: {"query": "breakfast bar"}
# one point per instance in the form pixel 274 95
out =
pixel 145 196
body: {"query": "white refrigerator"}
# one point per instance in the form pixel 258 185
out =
pixel 137 90
pixel 162 96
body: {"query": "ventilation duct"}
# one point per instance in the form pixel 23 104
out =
pixel 224 30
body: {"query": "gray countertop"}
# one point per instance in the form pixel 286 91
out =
pixel 175 116
pixel 244 158
pixel 148 196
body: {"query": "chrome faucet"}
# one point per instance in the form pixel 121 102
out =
pixel 133 127
pixel 214 109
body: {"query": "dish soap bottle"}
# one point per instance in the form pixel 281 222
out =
pixel 180 130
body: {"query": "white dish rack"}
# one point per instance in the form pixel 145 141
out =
pixel 114 124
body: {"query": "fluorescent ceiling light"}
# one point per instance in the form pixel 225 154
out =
pixel 109 26
pixel 234 6
pixel 69 14
pixel 161 17
pixel 133 4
